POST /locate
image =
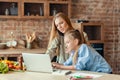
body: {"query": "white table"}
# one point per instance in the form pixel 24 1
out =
pixel 30 76
pixel 47 76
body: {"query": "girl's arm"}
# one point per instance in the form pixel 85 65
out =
pixel 61 66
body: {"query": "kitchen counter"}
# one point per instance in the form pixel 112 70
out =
pixel 17 52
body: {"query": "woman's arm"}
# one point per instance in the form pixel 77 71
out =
pixel 51 50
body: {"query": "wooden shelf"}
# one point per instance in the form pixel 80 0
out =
pixel 59 6
pixel 8 4
pixel 94 31
pixel 9 17
pixel 35 8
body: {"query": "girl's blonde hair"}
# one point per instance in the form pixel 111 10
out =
pixel 54 32
pixel 76 34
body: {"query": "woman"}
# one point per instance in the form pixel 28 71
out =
pixel 83 57
pixel 60 25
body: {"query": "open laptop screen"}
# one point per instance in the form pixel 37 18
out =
pixel 37 62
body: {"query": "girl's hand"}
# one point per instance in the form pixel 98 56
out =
pixel 56 65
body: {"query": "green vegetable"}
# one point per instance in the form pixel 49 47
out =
pixel 3 68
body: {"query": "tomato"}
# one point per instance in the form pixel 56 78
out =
pixel 11 66
pixel 17 67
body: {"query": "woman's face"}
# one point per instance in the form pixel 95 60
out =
pixel 70 44
pixel 61 24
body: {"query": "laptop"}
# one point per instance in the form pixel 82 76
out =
pixel 40 63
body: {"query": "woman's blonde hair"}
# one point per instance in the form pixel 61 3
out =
pixel 76 34
pixel 54 32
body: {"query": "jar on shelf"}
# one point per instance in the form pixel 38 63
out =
pixel 6 11
pixel 54 11
pixel 41 11
pixel 13 9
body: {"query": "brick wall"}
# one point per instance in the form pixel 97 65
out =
pixel 105 11
pixel 21 27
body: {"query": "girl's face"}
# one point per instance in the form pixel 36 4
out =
pixel 70 44
pixel 61 24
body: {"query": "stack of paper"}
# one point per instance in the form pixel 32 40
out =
pixel 84 75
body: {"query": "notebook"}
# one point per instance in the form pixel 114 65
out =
pixel 41 63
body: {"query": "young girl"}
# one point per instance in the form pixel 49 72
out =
pixel 82 56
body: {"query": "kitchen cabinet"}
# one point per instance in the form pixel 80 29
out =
pixel 94 31
pixel 34 8
pixel 9 9
pixel 59 6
